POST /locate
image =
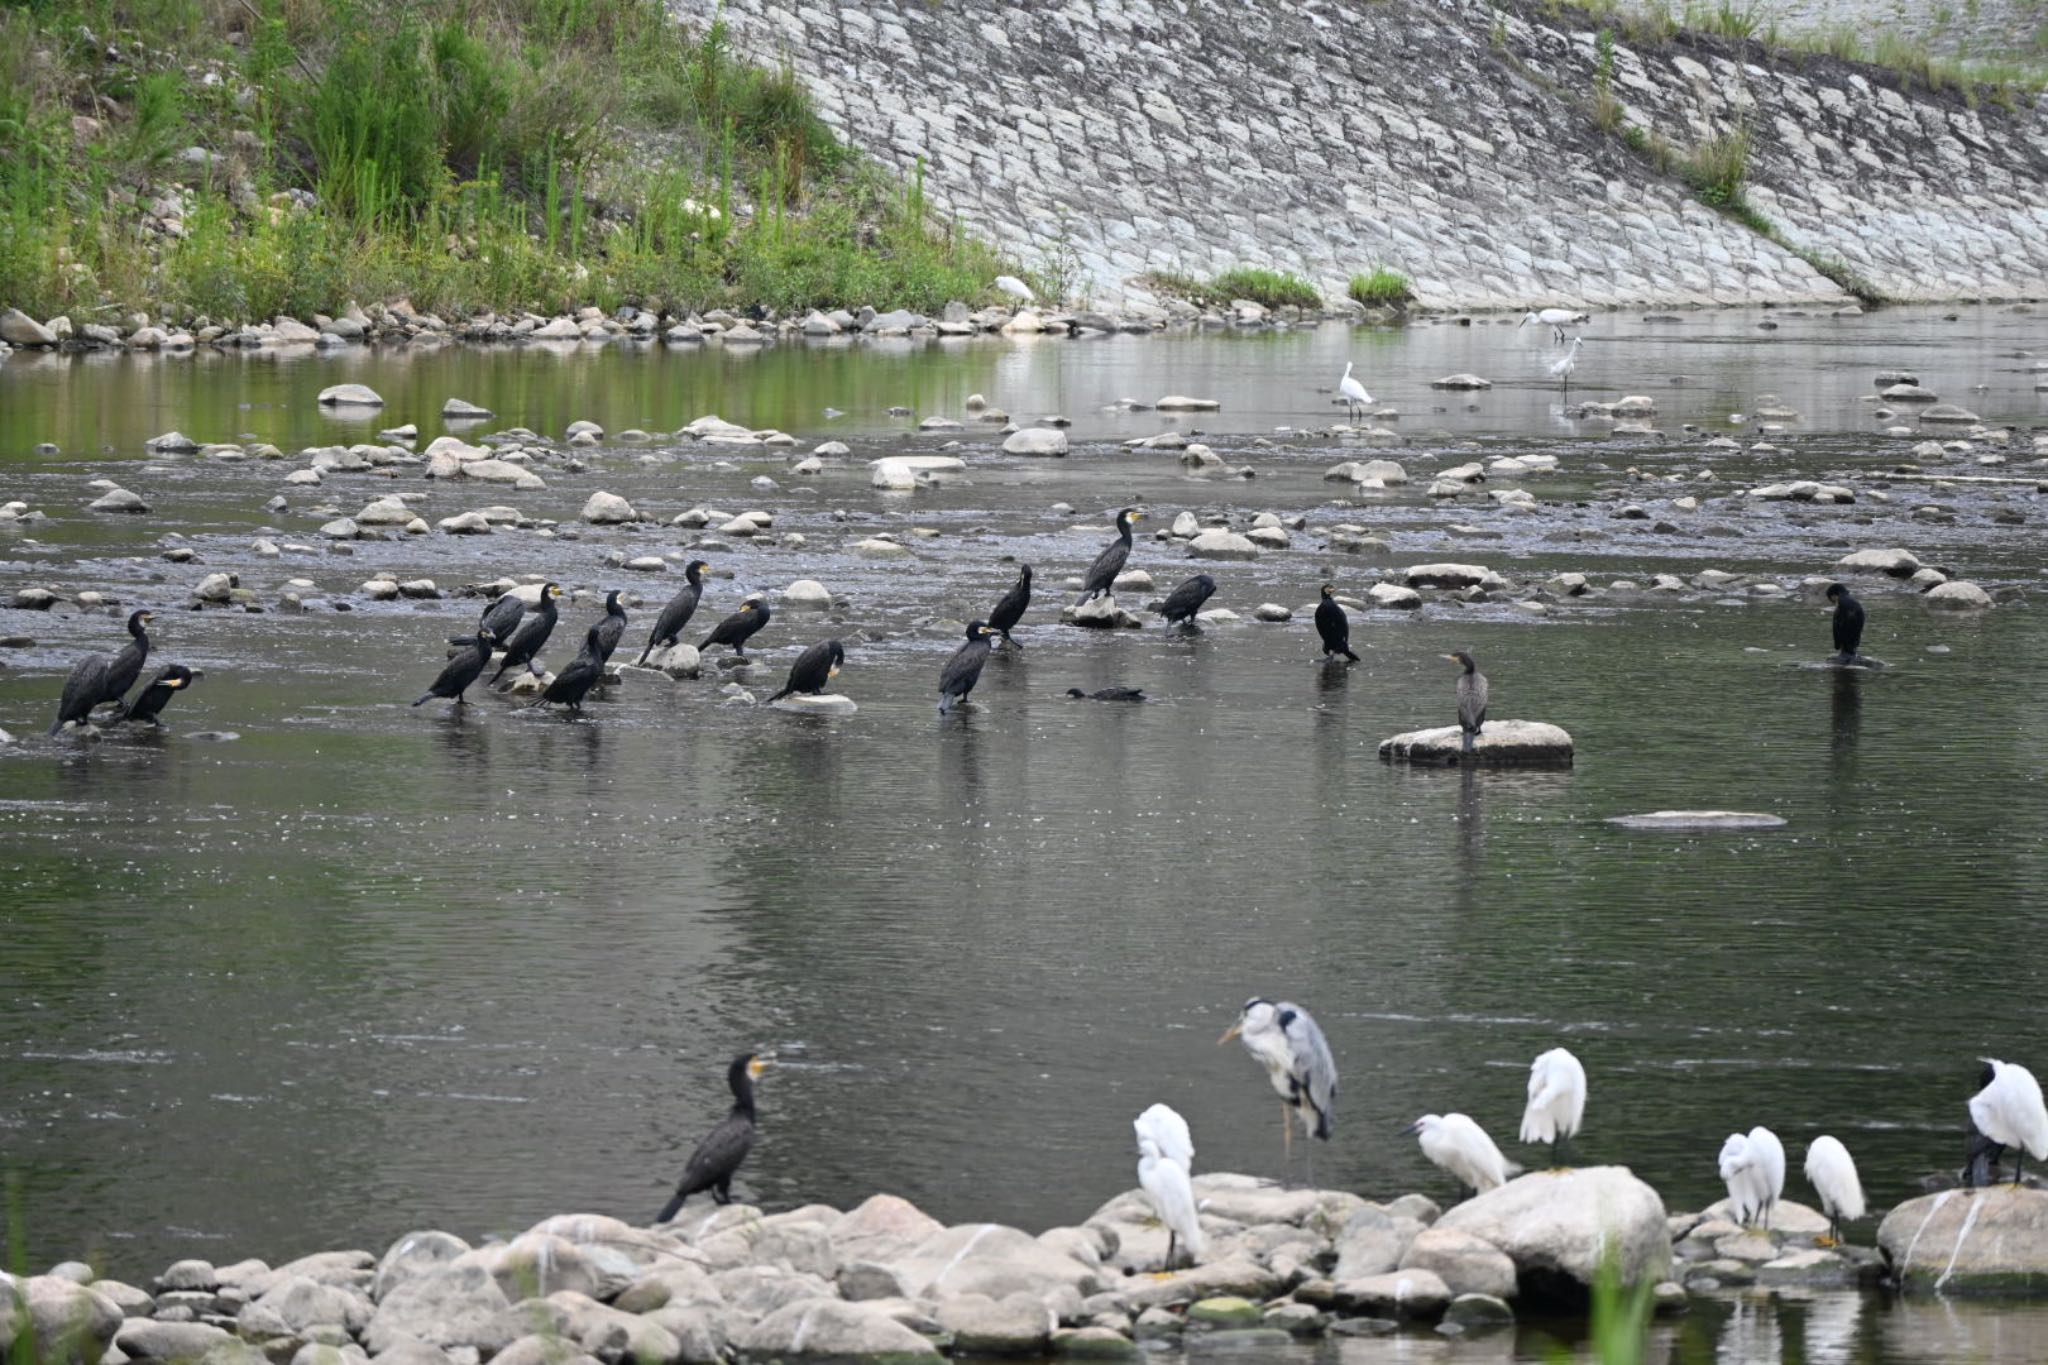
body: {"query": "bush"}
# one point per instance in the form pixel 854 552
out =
pixel 1380 288
pixel 1272 288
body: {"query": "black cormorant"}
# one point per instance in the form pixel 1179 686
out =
pixel 531 635
pixel 101 678
pixel 1108 694
pixel 1102 573
pixel 1011 609
pixel 1472 691
pixel 1848 623
pixel 500 618
pixel 712 1165
pixel 668 627
pixel 612 628
pixel 740 627
pixel 1333 625
pixel 462 670
pixel 813 668
pixel 584 672
pixel 1184 601
pixel 963 670
pixel 151 700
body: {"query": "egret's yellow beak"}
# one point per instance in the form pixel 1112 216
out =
pixel 1231 1032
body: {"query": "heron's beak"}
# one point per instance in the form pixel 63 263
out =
pixel 1231 1032
pixel 1412 1128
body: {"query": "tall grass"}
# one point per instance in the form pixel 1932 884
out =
pixel 1381 287
pixel 1269 288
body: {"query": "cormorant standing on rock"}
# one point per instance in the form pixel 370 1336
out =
pixel 531 635
pixel 1101 576
pixel 668 627
pixel 740 627
pixel 101 678
pixel 1184 601
pixel 1011 609
pixel 813 668
pixel 1108 694
pixel 612 628
pixel 1848 624
pixel 712 1165
pixel 150 702
pixel 1472 690
pixel 963 670
pixel 462 670
pixel 1333 625
pixel 573 683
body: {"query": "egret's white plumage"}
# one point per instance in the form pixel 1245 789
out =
pixel 1832 1173
pixel 1015 288
pixel 1556 319
pixel 1355 396
pixel 1753 1169
pixel 2009 1111
pixel 1568 362
pixel 1557 1098
pixel 1287 1042
pixel 1169 1133
pixel 1460 1146
pixel 1166 1151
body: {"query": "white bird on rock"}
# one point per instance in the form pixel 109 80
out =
pixel 1355 396
pixel 1458 1145
pixel 1286 1041
pixel 2009 1111
pixel 1015 288
pixel 1166 1154
pixel 1753 1169
pixel 1832 1173
pixel 1556 319
pixel 1557 1100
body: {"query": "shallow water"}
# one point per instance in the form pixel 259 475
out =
pixel 368 968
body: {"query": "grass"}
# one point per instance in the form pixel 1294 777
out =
pixel 1381 288
pixel 1272 288
pixel 467 154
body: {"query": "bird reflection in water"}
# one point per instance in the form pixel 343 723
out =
pixel 1847 708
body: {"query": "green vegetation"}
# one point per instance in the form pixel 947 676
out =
pixel 467 154
pixel 1606 109
pixel 1381 288
pixel 1273 288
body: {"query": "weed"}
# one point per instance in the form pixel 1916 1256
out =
pixel 1381 287
pixel 1272 288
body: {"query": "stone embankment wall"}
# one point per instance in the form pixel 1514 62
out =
pixel 1450 141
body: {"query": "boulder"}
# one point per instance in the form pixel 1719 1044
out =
pixel 73 1323
pixel 819 704
pixel 1017 1325
pixel 461 1305
pixel 533 1265
pixel 1894 563
pixel 876 548
pixel 612 1335
pixel 350 396
pixel 146 1339
pixel 293 1303
pixel 1501 743
pixel 991 1259
pixel 882 1228
pixel 1558 1226
pixel 458 409
pixel 1479 1312
pixel 829 1327
pixel 608 509
pixel 807 593
pixel 1373 1243
pixel 1454 576
pixel 1217 543
pixel 1907 391
pixel 118 500
pixel 1036 441
pixel 19 329
pixel 894 475
pixel 1414 1295
pixel 1984 1241
pixel 680 660
pixel 172 443
pixel 414 1255
pixel 1394 597
pixel 1948 414
pixel 1465 1263
pixel 1958 595
pixel 1461 381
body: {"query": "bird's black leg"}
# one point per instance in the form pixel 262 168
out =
pixel 722 1191
pixel 1172 1249
pixel 2019 1166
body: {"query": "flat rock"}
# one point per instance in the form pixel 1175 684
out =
pixel 1175 402
pixel 1217 543
pixel 1895 563
pixel 1698 819
pixel 1414 1295
pixel 1036 441
pixel 829 1327
pixel 460 1305
pixel 1453 576
pixel 1501 743
pixel 350 396
pixel 1461 381
pixel 145 1339
pixel 822 704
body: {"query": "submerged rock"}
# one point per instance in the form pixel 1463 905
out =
pixel 1698 819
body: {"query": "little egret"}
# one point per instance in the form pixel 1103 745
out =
pixel 1753 1169
pixel 1848 623
pixel 712 1165
pixel 1355 396
pixel 1557 1100
pixel 1015 288
pixel 1472 694
pixel 1285 1040
pixel 2009 1111
pixel 1562 370
pixel 1458 1145
pixel 1556 319
pixel 1832 1173
pixel 1981 1155
pixel 1166 1155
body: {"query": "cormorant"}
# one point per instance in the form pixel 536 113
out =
pixel 584 672
pixel 712 1165
pixel 1184 601
pixel 813 668
pixel 963 670
pixel 740 627
pixel 668 627
pixel 1472 691
pixel 463 669
pixel 1108 694
pixel 531 635
pixel 1011 609
pixel 612 628
pixel 101 678
pixel 1333 625
pixel 1102 573
pixel 150 702
pixel 500 617
pixel 1848 623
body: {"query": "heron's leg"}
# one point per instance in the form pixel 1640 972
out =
pixel 2019 1167
pixel 1172 1249
pixel 1310 1148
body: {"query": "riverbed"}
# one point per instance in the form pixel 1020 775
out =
pixel 366 967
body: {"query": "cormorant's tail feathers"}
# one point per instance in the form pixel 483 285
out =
pixel 670 1209
pixel 424 700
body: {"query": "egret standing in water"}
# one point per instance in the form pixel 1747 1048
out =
pixel 1753 1169
pixel 1101 576
pixel 1848 624
pixel 1457 1144
pixel 1557 1101
pixel 2009 1111
pixel 1832 1173
pixel 98 679
pixel 1472 694
pixel 1166 1162
pixel 1284 1039
pixel 1355 396
pixel 1556 319
pixel 712 1165
pixel 1562 370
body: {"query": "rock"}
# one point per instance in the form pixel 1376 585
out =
pixel 172 443
pixel 1698 819
pixel 877 548
pixel 608 509
pixel 1178 403
pixel 1502 743
pixel 1948 414
pixel 988 1258
pixel 1479 1312
pixel 1018 1325
pixel 1556 1226
pixel 465 524
pixel 820 704
pixel 1094 1343
pixel 118 500
pixel 189 1275
pixel 1394 597
pixel 216 587
pixel 1271 611
pixel 894 475
pixel 350 396
pixel 1907 393
pixel 1895 563
pixel 459 1306
pixel 457 409
pixel 679 660
pixel 19 329
pixel 144 1339
pixel 1461 381
pixel 1372 1243
pixel 1100 613
pixel 341 528
pixel 293 1303
pixel 72 1323
pixel 1217 543
pixel 807 593
pixel 1958 595
pixel 1465 1263
pixel 612 1335
pixel 1036 441
pixel 827 1327
pixel 1226 1310
pixel 1414 1295
pixel 414 1255
pixel 1453 576
pixel 1985 1241
pixel 884 1228
pixel 389 511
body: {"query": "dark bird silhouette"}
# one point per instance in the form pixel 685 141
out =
pixel 676 614
pixel 740 627
pixel 98 679
pixel 1472 690
pixel 1108 694
pixel 462 670
pixel 1184 601
pixel 500 617
pixel 1333 625
pixel 813 668
pixel 1848 623
pixel 612 628
pixel 531 635
pixel 151 700
pixel 1982 1155
pixel 1101 576
pixel 573 683
pixel 1011 609
pixel 963 670
pixel 712 1165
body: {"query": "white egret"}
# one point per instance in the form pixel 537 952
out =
pixel 1355 396
pixel 1832 1173
pixel 1753 1169
pixel 2009 1111
pixel 1562 370
pixel 1168 1181
pixel 1458 1145
pixel 1015 288
pixel 1556 319
pixel 1286 1041
pixel 1557 1100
